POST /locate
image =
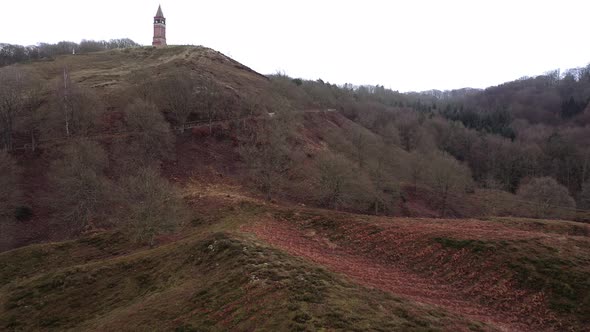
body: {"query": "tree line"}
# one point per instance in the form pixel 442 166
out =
pixel 493 146
pixel 12 53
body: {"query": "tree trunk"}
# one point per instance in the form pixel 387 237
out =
pixel 33 142
pixel 8 134
pixel 444 204
pixel 66 101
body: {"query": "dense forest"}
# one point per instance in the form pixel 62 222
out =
pixel 358 148
pixel 508 134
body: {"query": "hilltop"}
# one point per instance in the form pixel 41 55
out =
pixel 114 73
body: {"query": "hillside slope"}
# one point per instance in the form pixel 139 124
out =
pixel 376 258
pixel 213 279
pixel 115 72
pixel 246 265
pixel 117 77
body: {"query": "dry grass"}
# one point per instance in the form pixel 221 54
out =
pixel 527 274
pixel 215 277
pixel 205 282
pixel 114 73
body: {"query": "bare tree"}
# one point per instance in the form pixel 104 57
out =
pixel 387 191
pixel 340 184
pixel 391 134
pixel 446 176
pixel 144 86
pixel 151 140
pixel 417 169
pixel 360 143
pixel 13 95
pixel 10 193
pixel 153 206
pixel 74 111
pixel 410 131
pixel 547 195
pixel 265 150
pixel 177 96
pixel 335 180
pixel 584 199
pixel 210 99
pixel 31 119
pixel 67 99
pixel 79 190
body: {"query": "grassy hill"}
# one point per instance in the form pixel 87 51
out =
pixel 374 220
pixel 247 265
pixel 212 279
pixel 117 70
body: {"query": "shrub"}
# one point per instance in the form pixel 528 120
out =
pixel 23 213
pixel 547 195
pixel 153 206
pixel 80 192
pixel 447 176
pixel 152 140
pixel 584 199
pixel 10 193
pixel 341 185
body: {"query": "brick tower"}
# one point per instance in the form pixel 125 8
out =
pixel 159 29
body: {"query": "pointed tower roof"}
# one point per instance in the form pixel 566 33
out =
pixel 159 13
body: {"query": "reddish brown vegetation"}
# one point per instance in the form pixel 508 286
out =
pixel 401 257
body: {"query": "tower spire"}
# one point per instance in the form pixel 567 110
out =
pixel 159 13
pixel 159 29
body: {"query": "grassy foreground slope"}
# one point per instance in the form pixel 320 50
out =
pixel 516 274
pixel 245 265
pixel 207 281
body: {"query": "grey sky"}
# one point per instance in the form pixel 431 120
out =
pixel 404 45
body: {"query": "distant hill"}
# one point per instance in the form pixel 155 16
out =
pixel 551 99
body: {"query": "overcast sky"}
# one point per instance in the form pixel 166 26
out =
pixel 403 45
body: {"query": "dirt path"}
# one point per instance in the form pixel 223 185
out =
pixel 375 273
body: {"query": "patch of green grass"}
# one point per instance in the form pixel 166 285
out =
pixel 476 246
pixel 540 266
pixel 34 259
pixel 567 286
